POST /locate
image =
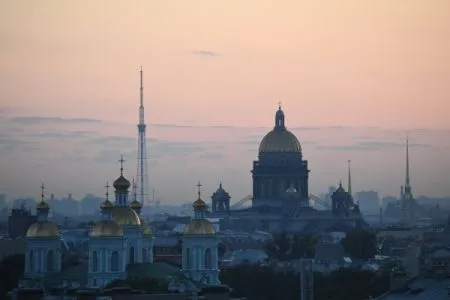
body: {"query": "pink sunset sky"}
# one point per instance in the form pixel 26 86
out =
pixel 345 71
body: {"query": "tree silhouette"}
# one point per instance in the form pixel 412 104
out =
pixel 360 244
pixel 11 271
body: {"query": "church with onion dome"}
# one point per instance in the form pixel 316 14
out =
pixel 281 197
pixel 200 246
pixel 121 246
pixel 120 239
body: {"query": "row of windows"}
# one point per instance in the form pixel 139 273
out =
pixel 205 263
pixel 49 261
pixel 114 263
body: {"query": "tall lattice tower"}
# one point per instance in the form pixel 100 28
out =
pixel 142 174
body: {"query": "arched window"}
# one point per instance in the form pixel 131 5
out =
pixel 50 261
pixel 31 262
pixel 208 258
pixel 131 256
pixel 94 262
pixel 144 255
pixel 188 258
pixel 114 261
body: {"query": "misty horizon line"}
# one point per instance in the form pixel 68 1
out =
pixel 34 119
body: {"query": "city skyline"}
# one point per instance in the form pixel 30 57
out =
pixel 354 80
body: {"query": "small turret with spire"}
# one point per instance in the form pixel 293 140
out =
pixel 106 206
pixel 199 205
pixel 121 186
pixel 42 208
pixel 135 205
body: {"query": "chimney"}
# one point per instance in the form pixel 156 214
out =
pixel 52 197
pixel 70 196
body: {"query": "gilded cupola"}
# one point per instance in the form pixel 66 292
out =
pixel 135 205
pixel 199 225
pixel 280 139
pixel 106 227
pixel 42 228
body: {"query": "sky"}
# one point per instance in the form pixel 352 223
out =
pixel 354 78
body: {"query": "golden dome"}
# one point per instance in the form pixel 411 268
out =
pixel 136 205
pixel 280 140
pixel 106 204
pixel 42 205
pixel 199 204
pixel 124 215
pixel 106 228
pixel 200 227
pixel 147 230
pixel 42 229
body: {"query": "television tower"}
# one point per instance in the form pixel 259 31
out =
pixel 142 175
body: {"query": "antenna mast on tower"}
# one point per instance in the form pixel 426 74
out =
pixel 142 175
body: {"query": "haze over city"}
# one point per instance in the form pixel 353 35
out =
pixel 354 79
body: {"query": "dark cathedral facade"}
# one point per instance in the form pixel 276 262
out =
pixel 281 198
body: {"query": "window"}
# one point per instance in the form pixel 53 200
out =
pixel 94 262
pixel 208 258
pixel 115 261
pixel 131 256
pixel 144 255
pixel 188 258
pixel 50 261
pixel 31 262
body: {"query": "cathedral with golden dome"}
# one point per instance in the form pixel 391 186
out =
pixel 281 198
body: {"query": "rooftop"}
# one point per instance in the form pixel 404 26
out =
pixel 433 290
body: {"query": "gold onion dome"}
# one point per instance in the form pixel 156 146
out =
pixel 106 205
pixel 200 227
pixel 125 215
pixel 106 228
pixel 199 204
pixel 42 229
pixel 42 205
pixel 136 205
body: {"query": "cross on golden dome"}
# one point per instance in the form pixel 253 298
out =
pixel 199 185
pixel 42 192
pixel 121 160
pixel 107 189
